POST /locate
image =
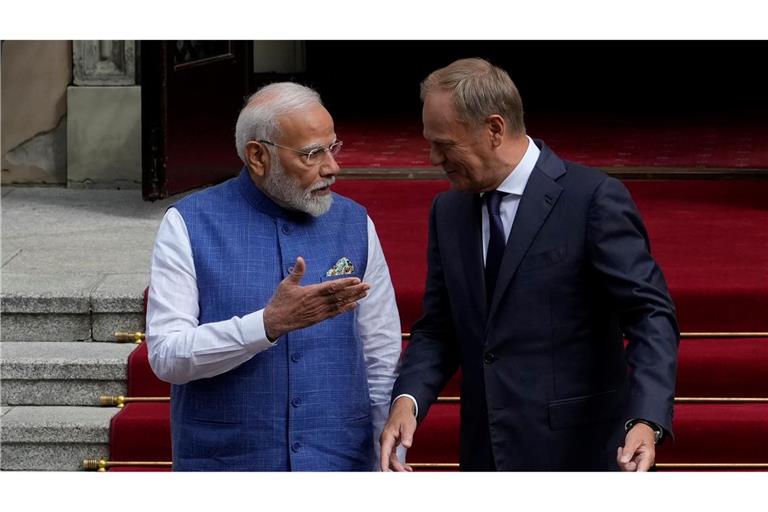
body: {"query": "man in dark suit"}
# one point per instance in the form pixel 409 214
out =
pixel 537 270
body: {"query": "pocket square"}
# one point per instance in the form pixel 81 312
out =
pixel 341 268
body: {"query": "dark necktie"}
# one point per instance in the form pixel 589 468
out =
pixel 496 241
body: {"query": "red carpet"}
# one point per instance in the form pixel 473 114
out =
pixel 712 433
pixel 710 238
pixel 601 141
pixel 141 432
pixel 723 367
pixel 141 379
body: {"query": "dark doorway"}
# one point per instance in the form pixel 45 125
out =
pixel 192 92
pixel 358 78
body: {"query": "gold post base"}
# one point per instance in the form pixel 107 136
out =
pixel 120 401
pixel 102 465
pixel 129 337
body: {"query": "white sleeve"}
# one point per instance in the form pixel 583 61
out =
pixel 181 350
pixel 378 324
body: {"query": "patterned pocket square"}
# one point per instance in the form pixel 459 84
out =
pixel 341 268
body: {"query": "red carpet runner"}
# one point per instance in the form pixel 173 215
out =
pixel 711 239
pixel 600 141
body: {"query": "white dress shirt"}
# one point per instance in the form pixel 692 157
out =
pixel 514 185
pixel 181 350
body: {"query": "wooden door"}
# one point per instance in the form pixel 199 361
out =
pixel 192 92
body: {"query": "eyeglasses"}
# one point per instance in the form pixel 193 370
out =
pixel 313 155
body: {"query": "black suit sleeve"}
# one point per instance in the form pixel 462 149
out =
pixel 432 357
pixel 620 253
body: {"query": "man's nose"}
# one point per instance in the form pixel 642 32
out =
pixel 436 157
pixel 329 166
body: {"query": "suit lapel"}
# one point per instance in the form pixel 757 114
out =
pixel 539 198
pixel 469 240
pixel 464 230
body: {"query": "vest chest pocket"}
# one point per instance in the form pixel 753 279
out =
pixel 342 268
pixel 335 278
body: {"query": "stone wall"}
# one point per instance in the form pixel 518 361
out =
pixel 35 76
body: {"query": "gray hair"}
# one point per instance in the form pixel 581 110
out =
pixel 479 90
pixel 259 118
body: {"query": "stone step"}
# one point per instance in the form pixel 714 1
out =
pixel 64 373
pixel 71 307
pixel 34 438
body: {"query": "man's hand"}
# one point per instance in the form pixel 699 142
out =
pixel 639 450
pixel 399 430
pixel 294 306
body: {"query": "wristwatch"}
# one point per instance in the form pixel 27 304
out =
pixel 657 431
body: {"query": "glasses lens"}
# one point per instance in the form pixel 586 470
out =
pixel 312 156
pixel 335 147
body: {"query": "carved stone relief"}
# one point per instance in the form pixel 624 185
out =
pixel 104 62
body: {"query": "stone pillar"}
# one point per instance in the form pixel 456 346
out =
pixel 104 116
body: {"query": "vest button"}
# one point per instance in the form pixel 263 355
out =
pixel 296 447
pixel 489 357
pixel 296 402
pixel 286 229
pixel 295 357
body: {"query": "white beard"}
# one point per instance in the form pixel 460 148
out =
pixel 287 191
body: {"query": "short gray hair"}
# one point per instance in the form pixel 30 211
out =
pixel 259 118
pixel 479 90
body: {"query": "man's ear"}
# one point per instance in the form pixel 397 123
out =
pixel 497 127
pixel 257 158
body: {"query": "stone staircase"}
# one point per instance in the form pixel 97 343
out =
pixel 58 355
pixel 74 267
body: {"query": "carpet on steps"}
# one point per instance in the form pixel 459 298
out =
pixel 599 140
pixel 705 433
pixel 710 238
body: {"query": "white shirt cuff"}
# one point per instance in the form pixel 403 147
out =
pixel 254 333
pixel 415 404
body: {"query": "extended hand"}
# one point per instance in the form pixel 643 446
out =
pixel 639 450
pixel 399 430
pixel 294 306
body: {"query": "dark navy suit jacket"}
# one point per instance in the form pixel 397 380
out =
pixel 547 382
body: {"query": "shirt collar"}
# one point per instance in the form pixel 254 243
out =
pixel 515 182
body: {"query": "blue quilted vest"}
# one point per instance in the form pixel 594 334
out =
pixel 303 404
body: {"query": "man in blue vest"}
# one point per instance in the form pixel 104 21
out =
pixel 271 310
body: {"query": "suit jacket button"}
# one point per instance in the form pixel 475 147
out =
pixel 489 357
pixel 295 447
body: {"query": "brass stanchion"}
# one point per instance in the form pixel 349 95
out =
pixel 120 401
pixel 712 465
pixel 664 465
pixel 407 335
pixel 724 334
pixel 679 400
pixel 129 337
pixel 102 465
